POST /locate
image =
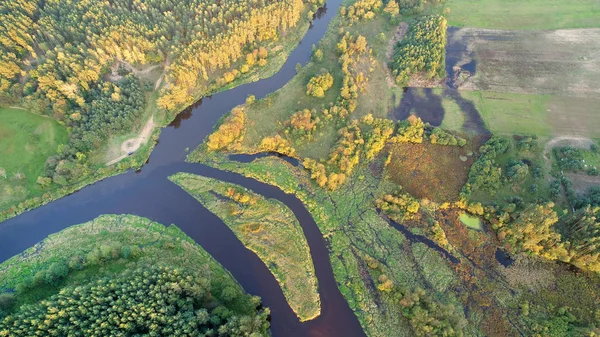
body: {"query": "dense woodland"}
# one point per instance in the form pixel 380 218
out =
pixel 422 51
pixel 46 54
pixel 151 301
pixel 123 276
pixel 87 64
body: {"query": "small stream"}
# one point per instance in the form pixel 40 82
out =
pixel 412 237
pixel 248 158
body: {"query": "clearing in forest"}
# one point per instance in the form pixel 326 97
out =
pixel 430 171
pixel 26 141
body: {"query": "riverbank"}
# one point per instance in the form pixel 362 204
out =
pixel 161 119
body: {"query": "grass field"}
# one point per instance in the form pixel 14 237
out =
pixel 268 115
pixel 268 228
pixel 26 141
pixel 508 113
pixel 454 118
pixel 541 115
pixel 158 245
pixel 519 14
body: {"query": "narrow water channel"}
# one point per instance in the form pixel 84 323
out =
pixel 148 193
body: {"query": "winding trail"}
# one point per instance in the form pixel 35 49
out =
pixel 574 141
pixel 148 193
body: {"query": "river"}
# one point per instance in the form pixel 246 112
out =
pixel 148 193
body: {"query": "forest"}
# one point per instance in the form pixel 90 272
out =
pixel 421 51
pixel 95 280
pixel 101 68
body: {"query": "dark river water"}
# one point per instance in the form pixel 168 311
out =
pixel 148 193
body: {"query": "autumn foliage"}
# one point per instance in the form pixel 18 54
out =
pixel 410 131
pixel 400 206
pixel 362 10
pixel 421 51
pixel 318 85
pixel 277 144
pixel 230 133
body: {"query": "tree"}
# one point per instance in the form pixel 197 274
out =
pixel 319 84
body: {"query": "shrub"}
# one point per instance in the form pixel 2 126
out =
pixel 318 85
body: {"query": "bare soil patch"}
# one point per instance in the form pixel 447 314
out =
pixel 133 144
pixel 565 62
pixel 574 115
pixel 430 171
pixel 582 182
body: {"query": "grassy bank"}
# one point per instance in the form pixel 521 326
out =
pixel 362 245
pixel 269 229
pixel 370 259
pixel 271 114
pixel 55 192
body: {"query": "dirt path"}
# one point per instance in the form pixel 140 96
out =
pixel 133 144
pixel 574 141
pixel 582 182
pixel 114 75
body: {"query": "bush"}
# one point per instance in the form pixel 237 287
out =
pixel 6 302
pixel 569 159
pixel 318 85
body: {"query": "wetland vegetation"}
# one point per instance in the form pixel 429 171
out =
pixel 434 182
pixel 453 179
